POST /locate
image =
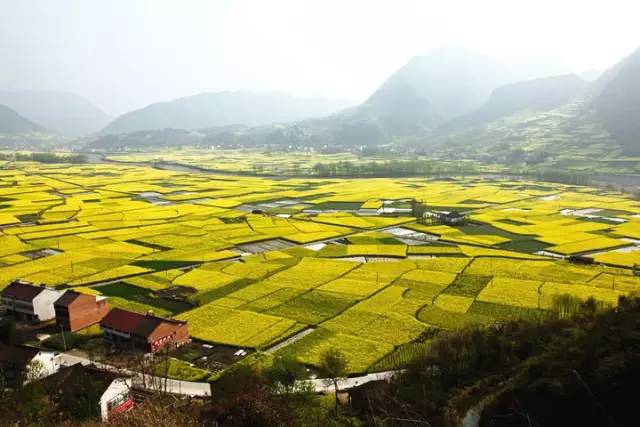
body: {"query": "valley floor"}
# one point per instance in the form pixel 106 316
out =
pixel 374 267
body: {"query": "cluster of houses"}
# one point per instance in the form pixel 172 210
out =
pixel 73 311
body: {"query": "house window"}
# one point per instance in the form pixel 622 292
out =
pixel 118 400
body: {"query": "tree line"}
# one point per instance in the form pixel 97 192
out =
pixel 391 168
pixel 44 157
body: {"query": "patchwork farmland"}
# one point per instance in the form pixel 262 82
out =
pixel 250 262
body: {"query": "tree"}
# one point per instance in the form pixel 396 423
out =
pixel 334 364
pixel 284 372
pixel 8 331
pixel 242 397
pixel 34 371
pixel 565 305
pixel 96 350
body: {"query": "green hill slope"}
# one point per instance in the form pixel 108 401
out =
pixel 12 123
pixel 618 104
pixel 532 95
pixel 63 112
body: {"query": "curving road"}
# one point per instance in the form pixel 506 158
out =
pixel 202 389
pixel 151 383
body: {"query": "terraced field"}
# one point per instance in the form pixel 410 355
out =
pixel 250 262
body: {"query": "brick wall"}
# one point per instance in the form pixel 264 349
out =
pixel 86 313
pixel 169 334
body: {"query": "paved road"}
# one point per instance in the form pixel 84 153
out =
pixel 151 383
pixel 323 385
pixel 188 388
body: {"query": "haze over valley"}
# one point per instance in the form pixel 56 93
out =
pixel 297 213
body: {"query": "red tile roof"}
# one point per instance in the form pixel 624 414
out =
pixel 21 291
pixel 70 297
pixel 133 323
pixel 122 320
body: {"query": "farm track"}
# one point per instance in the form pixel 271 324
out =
pixel 290 340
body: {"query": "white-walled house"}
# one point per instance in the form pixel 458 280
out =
pixel 116 398
pixel 110 393
pixel 21 364
pixel 29 302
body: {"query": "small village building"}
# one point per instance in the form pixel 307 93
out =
pixel 29 302
pixel 452 218
pixel 128 330
pixel 105 393
pixel 20 363
pixel 75 311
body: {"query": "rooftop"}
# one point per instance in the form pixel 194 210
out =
pixel 17 354
pixel 69 297
pixel 22 291
pixel 134 323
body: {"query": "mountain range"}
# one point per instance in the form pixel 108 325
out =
pixel 559 122
pixel 222 109
pixel 454 98
pixel 449 102
pixel 434 88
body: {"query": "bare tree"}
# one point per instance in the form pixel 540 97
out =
pixel 334 364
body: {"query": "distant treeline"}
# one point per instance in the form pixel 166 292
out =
pixel 400 168
pixel 392 168
pixel 558 175
pixel 44 157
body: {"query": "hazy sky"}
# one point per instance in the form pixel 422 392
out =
pixel 124 54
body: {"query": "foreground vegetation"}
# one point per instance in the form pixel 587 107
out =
pixel 575 367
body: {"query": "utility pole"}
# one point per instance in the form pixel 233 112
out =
pixel 64 339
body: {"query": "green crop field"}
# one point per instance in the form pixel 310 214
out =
pixel 254 261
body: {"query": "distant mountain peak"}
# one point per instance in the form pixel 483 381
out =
pixel 436 87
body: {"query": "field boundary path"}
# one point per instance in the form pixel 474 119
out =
pixel 290 340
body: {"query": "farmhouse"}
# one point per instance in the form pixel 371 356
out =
pixel 75 311
pixel 452 218
pixel 30 302
pixel 103 392
pixel 20 364
pixel 146 332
